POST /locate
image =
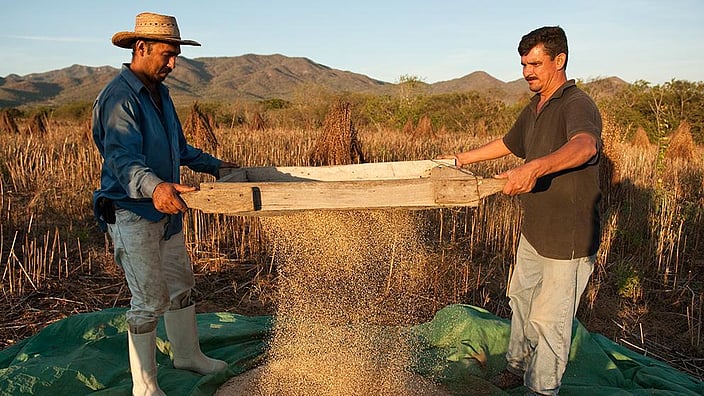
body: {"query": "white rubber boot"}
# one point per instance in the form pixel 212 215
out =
pixel 142 350
pixel 183 336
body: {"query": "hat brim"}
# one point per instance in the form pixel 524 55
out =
pixel 127 39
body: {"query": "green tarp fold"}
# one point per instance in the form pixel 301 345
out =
pixel 460 348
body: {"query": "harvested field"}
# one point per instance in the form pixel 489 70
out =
pixel 645 293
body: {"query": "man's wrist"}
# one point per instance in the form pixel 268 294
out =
pixel 149 184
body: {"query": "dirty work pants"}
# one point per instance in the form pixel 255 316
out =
pixel 544 296
pixel 158 271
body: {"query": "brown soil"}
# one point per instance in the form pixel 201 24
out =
pixel 104 287
pixel 243 288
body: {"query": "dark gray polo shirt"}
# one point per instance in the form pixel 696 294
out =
pixel 561 213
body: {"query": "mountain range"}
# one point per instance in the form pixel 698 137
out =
pixel 245 77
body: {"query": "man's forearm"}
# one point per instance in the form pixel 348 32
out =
pixel 576 152
pixel 492 150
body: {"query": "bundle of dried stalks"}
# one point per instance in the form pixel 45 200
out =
pixel 37 124
pixel 408 128
pixel 424 128
pixel 338 144
pixel 612 137
pixel 256 122
pixel 199 131
pixel 640 139
pixel 87 129
pixel 681 143
pixel 7 122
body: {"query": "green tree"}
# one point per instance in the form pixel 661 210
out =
pixel 658 109
pixel 411 99
pixel 685 102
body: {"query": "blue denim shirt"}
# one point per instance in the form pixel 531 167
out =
pixel 141 147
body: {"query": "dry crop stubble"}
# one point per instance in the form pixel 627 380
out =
pixel 653 220
pixel 654 223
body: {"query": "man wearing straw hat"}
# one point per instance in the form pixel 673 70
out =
pixel 140 138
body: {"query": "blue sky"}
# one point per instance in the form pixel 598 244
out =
pixel 435 40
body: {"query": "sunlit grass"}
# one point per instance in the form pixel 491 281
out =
pixel 652 235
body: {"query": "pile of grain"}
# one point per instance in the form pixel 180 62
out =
pixel 349 283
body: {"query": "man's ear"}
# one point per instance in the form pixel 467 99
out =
pixel 140 47
pixel 561 60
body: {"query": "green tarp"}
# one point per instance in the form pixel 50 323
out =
pixel 460 348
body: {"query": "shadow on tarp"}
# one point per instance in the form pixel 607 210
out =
pixel 460 348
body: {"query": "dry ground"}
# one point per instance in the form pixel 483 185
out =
pixel 237 288
pixel 106 288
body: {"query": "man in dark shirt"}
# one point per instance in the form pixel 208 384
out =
pixel 137 131
pixel 559 136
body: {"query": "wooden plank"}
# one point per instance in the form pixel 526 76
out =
pixel 272 198
pixel 390 185
pixel 368 171
pixel 459 192
pixel 214 200
pixel 450 172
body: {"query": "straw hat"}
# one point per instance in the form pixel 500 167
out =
pixel 150 26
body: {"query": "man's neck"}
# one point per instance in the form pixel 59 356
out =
pixel 554 85
pixel 151 85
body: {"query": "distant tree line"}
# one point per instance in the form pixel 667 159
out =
pixel 658 109
pixel 468 112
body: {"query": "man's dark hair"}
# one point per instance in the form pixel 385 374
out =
pixel 553 38
pixel 150 44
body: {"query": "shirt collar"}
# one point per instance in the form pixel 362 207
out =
pixel 558 93
pixel 131 78
pixel 133 81
pixel 561 90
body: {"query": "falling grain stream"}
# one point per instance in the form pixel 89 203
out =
pixel 349 284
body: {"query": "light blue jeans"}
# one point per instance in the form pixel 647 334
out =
pixel 158 271
pixel 544 296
